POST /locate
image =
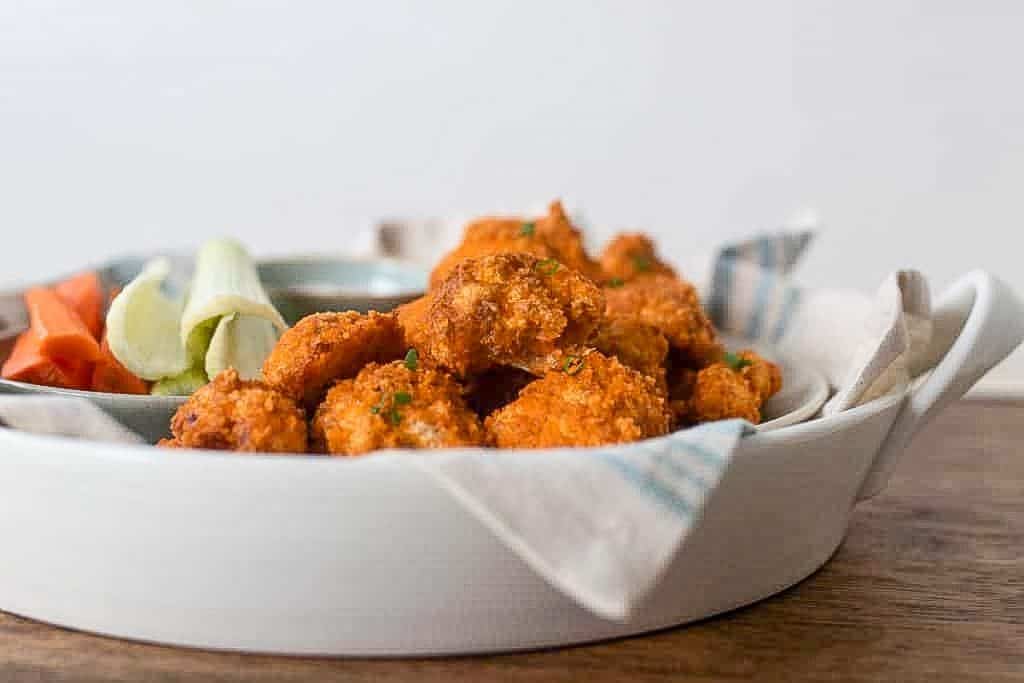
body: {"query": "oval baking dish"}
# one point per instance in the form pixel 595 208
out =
pixel 367 556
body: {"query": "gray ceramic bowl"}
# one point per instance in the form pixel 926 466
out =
pixel 297 286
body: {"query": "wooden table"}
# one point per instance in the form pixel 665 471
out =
pixel 928 586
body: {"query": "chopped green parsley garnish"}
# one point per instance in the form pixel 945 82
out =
pixel 641 263
pixel 390 413
pixel 527 229
pixel 412 359
pixel 735 362
pixel 615 282
pixel 573 364
pixel 548 266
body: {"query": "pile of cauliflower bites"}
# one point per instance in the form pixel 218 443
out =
pixel 522 341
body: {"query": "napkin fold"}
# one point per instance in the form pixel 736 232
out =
pixel 602 525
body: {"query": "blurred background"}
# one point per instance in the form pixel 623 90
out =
pixel 129 126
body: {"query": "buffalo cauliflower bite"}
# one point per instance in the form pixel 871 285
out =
pixel 733 388
pixel 324 347
pixel 504 309
pixel 673 307
pixel 591 401
pixel 232 414
pixel 551 236
pixel 630 255
pixel 635 343
pixel 394 406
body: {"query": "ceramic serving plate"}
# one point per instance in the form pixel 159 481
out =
pixel 367 556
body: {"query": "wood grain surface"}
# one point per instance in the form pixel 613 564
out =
pixel 928 586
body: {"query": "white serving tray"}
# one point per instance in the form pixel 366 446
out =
pixel 366 556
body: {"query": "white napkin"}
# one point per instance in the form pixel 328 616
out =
pixel 602 525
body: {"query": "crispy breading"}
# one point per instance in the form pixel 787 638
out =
pixel 550 236
pixel 232 414
pixel 630 255
pixel 593 400
pixel 721 391
pixel 673 307
pixel 566 241
pixel 503 309
pixel 635 343
pixel 763 376
pixel 325 347
pixel 393 406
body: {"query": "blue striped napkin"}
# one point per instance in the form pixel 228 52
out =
pixel 603 525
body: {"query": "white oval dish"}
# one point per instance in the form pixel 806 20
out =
pixel 367 556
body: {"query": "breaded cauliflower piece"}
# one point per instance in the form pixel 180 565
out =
pixel 566 241
pixel 231 414
pixel 550 236
pixel 673 307
pixel 393 406
pixel 503 309
pixel 762 376
pixel 733 388
pixel 630 255
pixel 324 347
pixel 635 343
pixel 593 400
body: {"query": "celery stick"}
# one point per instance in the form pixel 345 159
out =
pixel 241 342
pixel 226 282
pixel 143 326
pixel 183 384
pixel 198 342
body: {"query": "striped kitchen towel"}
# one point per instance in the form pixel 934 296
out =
pixel 602 525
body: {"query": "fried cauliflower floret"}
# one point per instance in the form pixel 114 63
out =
pixel 504 309
pixel 232 414
pixel 635 343
pixel 324 347
pixel 630 255
pixel 673 307
pixel 735 388
pixel 594 400
pixel 550 236
pixel 393 406
pixel 566 241
pixel 762 376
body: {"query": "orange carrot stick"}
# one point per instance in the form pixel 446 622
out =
pixel 110 376
pixel 84 294
pixel 27 363
pixel 62 334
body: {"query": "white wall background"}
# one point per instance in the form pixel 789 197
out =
pixel 126 126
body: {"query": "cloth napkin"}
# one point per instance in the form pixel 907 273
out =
pixel 602 525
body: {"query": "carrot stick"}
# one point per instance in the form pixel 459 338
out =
pixel 62 334
pixel 27 363
pixel 110 376
pixel 84 294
